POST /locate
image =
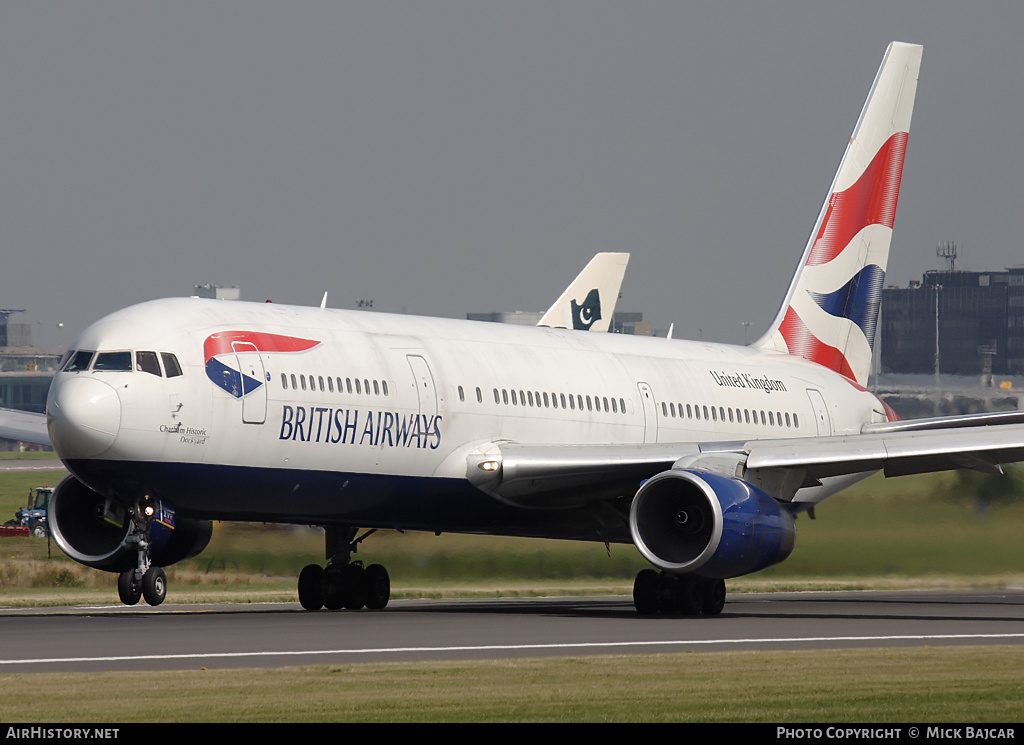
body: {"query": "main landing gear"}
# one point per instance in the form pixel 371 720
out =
pixel 145 581
pixel 344 583
pixel 677 594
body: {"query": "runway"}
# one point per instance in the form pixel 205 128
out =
pixel 275 635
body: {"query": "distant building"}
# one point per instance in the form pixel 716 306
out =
pixel 980 320
pixel 622 323
pixel 25 372
pixel 517 317
pixel 14 334
pixel 631 323
pixel 216 292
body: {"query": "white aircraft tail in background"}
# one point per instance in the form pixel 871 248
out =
pixel 589 302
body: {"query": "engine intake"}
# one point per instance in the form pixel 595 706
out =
pixel 96 531
pixel 716 527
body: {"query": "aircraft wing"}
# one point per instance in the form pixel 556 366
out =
pixel 551 477
pixel 23 425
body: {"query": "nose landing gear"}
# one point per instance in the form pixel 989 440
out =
pixel 145 581
pixel 344 583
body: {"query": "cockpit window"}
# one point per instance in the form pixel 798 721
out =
pixel 79 361
pixel 113 361
pixel 171 365
pixel 147 362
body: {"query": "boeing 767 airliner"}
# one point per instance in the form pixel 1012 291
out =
pixel 178 412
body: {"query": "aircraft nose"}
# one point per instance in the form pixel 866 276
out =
pixel 83 416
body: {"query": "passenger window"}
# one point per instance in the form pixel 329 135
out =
pixel 384 388
pixel 330 384
pixel 147 362
pixel 284 381
pixel 113 361
pixel 462 394
pixel 479 395
pixel 171 366
pixel 376 389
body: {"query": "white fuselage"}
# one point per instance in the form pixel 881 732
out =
pixel 383 396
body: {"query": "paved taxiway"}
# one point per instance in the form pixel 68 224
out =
pixel 272 635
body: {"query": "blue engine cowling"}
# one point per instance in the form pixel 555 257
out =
pixel 696 522
pixel 94 531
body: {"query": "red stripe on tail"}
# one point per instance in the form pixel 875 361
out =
pixel 871 200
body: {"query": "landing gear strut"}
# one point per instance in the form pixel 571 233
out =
pixel 677 594
pixel 145 581
pixel 344 583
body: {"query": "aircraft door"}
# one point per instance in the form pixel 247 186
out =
pixel 253 382
pixel 821 418
pixel 425 391
pixel 650 412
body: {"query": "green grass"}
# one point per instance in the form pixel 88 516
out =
pixel 910 531
pixel 28 455
pixel 919 685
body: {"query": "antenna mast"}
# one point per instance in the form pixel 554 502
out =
pixel 948 252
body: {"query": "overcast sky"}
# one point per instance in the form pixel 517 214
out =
pixel 445 157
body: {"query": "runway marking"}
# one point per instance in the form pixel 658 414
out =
pixel 509 647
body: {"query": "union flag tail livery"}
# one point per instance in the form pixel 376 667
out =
pixel 831 309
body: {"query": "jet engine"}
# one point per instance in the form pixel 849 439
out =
pixel 100 532
pixel 712 526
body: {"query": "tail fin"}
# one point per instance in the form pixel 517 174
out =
pixel 831 309
pixel 589 302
